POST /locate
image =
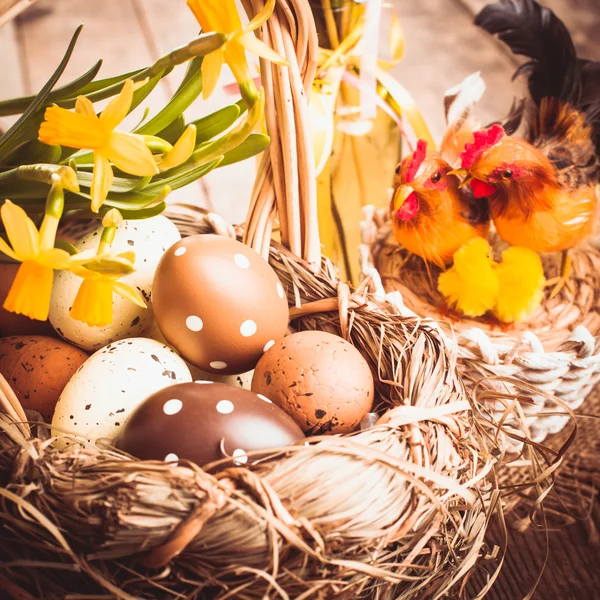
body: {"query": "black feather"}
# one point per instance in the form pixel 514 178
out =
pixel 534 31
pixel 590 96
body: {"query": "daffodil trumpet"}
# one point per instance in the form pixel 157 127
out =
pixel 222 16
pixel 101 273
pixel 31 290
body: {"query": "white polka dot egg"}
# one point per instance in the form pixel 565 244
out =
pixel 219 303
pixel 205 422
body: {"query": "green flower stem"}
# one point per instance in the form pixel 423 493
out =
pixel 43 173
pixel 249 92
pixel 201 46
pixel 107 238
pixel 55 204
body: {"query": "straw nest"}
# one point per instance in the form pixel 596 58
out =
pixel 556 349
pixel 399 510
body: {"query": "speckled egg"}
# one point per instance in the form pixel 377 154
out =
pixel 149 239
pixel 319 379
pixel 243 380
pixel 204 422
pixel 38 368
pixel 219 303
pixel 112 382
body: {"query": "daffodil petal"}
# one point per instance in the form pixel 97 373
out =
pixel 127 255
pixel 55 258
pixel 21 231
pixel 129 153
pixel 262 17
pixel 126 291
pixel 211 70
pixel 93 303
pixel 6 249
pixel 83 257
pixel 116 110
pixel 31 290
pixel 101 180
pixel 62 127
pixel 84 106
pixel 259 48
pixel 181 151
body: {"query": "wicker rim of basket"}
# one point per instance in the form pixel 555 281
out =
pixel 557 349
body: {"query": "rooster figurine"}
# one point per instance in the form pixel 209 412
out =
pixel 431 216
pixel 541 189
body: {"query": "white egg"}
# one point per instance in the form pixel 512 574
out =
pixel 149 239
pixel 112 382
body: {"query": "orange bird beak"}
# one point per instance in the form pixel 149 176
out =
pixel 463 175
pixel 400 196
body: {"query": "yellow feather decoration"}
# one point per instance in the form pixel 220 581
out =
pixel 522 281
pixel 471 285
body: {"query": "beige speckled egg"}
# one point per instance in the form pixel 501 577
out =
pixel 149 239
pixel 321 380
pixel 38 368
pixel 112 382
pixel 219 303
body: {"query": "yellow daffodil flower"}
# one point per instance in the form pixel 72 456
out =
pixel 31 290
pixel 84 130
pixel 222 16
pixel 100 272
pixel 173 156
pixel 94 300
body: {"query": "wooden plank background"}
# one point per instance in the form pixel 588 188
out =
pixel 442 47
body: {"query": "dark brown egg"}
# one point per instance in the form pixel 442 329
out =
pixel 38 368
pixel 319 379
pixel 11 323
pixel 204 422
pixel 218 303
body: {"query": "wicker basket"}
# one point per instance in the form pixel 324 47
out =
pixel 396 511
pixel 556 349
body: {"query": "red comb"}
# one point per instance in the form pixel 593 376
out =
pixel 482 141
pixel 417 160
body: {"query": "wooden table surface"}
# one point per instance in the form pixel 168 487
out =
pixel 442 47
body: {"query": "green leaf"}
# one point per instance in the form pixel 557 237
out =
pixel 14 136
pixel 253 145
pixel 18 105
pixel 182 175
pixel 119 184
pixel 102 84
pixel 144 213
pixel 114 89
pixel 182 99
pixel 33 152
pixel 64 245
pixel 233 138
pixel 212 125
pixel 173 131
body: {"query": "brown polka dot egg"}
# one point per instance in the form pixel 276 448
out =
pixel 218 303
pixel 204 422
pixel 319 379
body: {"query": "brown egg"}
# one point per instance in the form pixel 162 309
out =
pixel 204 422
pixel 11 323
pixel 218 303
pixel 38 368
pixel 319 379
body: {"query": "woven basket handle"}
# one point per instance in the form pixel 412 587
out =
pixel 285 185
